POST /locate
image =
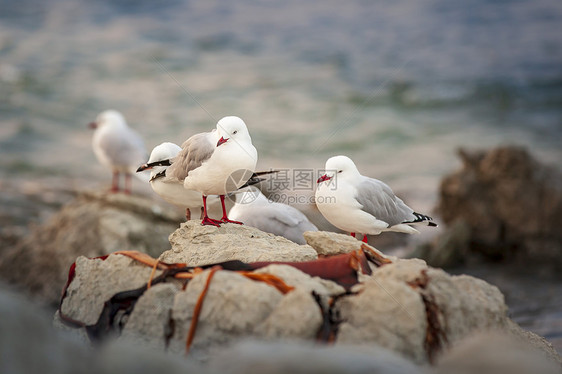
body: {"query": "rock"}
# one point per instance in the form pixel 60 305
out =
pixel 150 321
pixel 92 225
pixel 491 352
pixel 327 243
pixel 539 343
pixel 234 307
pixel 28 344
pixel 419 311
pixel 511 203
pixel 195 245
pixel 405 306
pixel 297 316
pixel 386 312
pixel 97 280
pixel 296 278
pixel 298 357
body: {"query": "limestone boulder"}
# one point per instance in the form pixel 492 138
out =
pixel 405 306
pixel 195 245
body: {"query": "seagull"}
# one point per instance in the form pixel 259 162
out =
pixel 170 189
pixel 117 146
pixel 216 163
pixel 359 204
pixel 257 211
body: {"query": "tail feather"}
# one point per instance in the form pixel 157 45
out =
pixel 254 179
pixel 258 173
pixel 422 218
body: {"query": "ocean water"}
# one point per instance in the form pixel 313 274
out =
pixel 396 85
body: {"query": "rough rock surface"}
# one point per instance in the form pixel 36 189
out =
pixel 388 311
pixel 195 245
pixel 92 225
pixel 407 307
pixel 511 203
pixel 296 278
pixel 233 307
pixel 327 243
pixel 98 279
pixel 491 352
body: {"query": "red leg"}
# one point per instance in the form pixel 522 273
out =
pixel 352 234
pixel 224 217
pixel 128 184
pixel 188 214
pixel 365 238
pixel 206 220
pixel 115 182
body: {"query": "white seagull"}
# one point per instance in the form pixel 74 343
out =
pixel 216 163
pixel 117 146
pixel 171 189
pixel 359 204
pixel 255 210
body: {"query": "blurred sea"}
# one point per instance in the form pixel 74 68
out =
pixel 395 85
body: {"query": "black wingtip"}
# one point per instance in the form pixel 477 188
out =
pixel 251 182
pixel 432 224
pixel 259 173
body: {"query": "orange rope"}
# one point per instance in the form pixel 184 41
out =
pixel 197 310
pixel 270 279
pixel 139 256
pixel 147 260
pixel 152 274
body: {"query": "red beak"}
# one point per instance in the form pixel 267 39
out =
pixel 323 178
pixel 93 125
pixel 222 140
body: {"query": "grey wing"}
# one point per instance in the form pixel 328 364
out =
pixel 378 200
pixel 291 216
pixel 194 152
pixel 289 223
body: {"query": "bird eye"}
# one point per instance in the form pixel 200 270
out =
pixel 234 132
pixel 339 171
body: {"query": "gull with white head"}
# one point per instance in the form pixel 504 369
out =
pixel 359 204
pixel 117 146
pixel 216 163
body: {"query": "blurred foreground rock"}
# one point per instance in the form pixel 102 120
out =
pixel 28 344
pixel 502 204
pixel 415 311
pixel 492 353
pixel 94 224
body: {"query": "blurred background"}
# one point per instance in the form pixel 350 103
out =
pixel 396 85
